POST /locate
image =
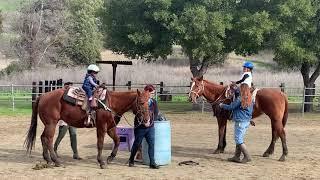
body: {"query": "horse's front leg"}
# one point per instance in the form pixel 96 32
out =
pixel 100 139
pixel 222 125
pixel 112 133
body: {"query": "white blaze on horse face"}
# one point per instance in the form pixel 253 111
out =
pixel 192 85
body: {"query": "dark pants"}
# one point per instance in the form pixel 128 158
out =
pixel 73 138
pixel 139 134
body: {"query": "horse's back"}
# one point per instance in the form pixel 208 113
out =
pixel 271 101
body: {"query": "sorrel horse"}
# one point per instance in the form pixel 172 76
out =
pixel 51 108
pixel 272 102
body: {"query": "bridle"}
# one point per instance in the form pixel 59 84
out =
pixel 139 113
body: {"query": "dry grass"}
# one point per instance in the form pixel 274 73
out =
pixel 174 71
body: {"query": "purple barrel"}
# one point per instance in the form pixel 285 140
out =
pixel 126 135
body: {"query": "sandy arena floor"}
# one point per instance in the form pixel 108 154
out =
pixel 194 136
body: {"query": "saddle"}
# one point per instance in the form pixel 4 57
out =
pixel 76 96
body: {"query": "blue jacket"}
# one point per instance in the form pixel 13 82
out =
pixel 239 114
pixel 88 85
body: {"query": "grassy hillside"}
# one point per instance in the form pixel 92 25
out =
pixel 10 5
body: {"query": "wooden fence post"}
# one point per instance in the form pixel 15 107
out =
pixel 34 92
pixel 40 87
pixel 53 85
pixel 59 83
pixel 50 86
pixel 282 87
pixel 129 85
pixel 161 87
pixel 46 86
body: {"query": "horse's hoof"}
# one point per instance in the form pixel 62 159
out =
pixel 282 158
pixel 266 154
pixel 58 165
pixel 218 151
pixel 109 159
pixel 103 166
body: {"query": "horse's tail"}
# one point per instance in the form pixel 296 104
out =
pixel 285 115
pixel 32 132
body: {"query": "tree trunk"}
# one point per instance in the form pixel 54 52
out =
pixel 198 68
pixel 309 83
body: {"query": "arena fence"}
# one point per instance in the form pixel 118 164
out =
pixel 170 98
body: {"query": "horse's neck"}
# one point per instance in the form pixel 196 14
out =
pixel 121 102
pixel 212 91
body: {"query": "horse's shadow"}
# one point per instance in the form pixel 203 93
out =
pixel 21 156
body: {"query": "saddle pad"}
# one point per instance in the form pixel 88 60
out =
pixel 254 94
pixel 76 93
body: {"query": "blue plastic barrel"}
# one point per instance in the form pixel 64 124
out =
pixel 162 144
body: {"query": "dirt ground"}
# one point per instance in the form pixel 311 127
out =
pixel 194 136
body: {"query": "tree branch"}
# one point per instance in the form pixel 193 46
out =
pixel 40 20
pixel 315 74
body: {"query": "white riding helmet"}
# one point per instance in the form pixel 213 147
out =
pixel 93 67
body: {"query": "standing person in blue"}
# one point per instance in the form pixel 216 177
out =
pixel 89 84
pixel 242 109
pixel 145 131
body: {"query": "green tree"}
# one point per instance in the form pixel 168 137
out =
pixel 149 28
pixel 296 39
pixel 84 40
pixel 138 29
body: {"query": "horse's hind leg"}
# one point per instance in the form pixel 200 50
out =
pixel 47 141
pixel 282 135
pixel 45 152
pixel 112 133
pixel 274 139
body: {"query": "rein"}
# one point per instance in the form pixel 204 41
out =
pixel 139 111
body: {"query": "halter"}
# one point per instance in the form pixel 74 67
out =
pixel 202 89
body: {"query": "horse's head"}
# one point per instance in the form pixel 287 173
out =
pixel 197 89
pixel 142 105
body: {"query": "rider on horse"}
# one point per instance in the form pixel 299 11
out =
pixel 246 76
pixel 89 83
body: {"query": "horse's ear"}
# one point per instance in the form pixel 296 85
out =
pixel 138 92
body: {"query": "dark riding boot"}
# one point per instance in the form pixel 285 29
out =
pixel 62 132
pixel 237 153
pixel 73 140
pixel 247 157
pixel 91 113
pixel 154 166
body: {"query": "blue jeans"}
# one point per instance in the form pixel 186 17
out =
pixel 240 129
pixel 139 134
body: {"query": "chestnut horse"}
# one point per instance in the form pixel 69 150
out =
pixel 51 108
pixel 272 102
